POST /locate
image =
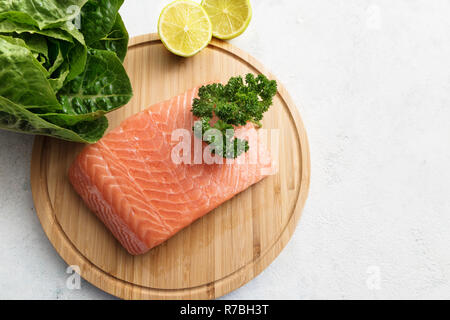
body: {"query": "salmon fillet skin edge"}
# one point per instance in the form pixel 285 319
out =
pixel 129 180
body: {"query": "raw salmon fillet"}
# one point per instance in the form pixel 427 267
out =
pixel 128 178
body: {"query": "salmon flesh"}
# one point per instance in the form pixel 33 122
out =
pixel 131 182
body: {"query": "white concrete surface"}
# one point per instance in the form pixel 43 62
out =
pixel 372 82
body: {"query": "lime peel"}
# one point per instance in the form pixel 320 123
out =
pixel 229 18
pixel 184 27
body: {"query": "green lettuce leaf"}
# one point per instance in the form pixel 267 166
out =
pixel 59 77
pixel 76 58
pixel 35 42
pixel 55 57
pixel 23 78
pixel 14 117
pixel 43 14
pixel 116 40
pixel 98 18
pixel 7 27
pixel 58 80
pixel 74 32
pixel 104 85
pixel 20 41
pixel 70 120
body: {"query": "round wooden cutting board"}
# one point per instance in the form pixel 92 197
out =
pixel 219 252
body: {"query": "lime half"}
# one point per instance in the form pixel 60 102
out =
pixel 229 18
pixel 184 27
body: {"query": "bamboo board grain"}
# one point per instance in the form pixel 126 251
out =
pixel 218 253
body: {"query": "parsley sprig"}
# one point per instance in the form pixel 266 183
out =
pixel 234 104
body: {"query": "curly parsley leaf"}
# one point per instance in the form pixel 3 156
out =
pixel 234 104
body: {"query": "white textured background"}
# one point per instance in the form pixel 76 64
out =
pixel 372 82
